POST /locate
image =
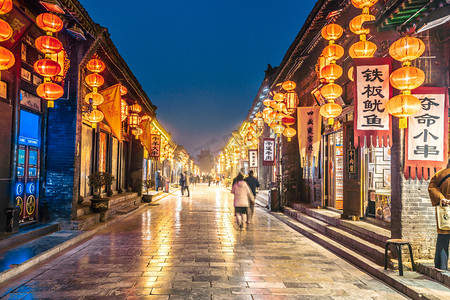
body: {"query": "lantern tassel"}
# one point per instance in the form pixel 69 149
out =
pixel 50 103
pixel 403 123
pixel 331 121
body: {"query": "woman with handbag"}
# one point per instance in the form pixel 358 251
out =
pixel 439 190
pixel 242 198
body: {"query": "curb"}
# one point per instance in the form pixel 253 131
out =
pixel 25 266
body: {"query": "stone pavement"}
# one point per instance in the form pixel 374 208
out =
pixel 190 248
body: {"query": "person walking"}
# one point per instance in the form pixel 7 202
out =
pixel 253 183
pixel 181 182
pixel 243 196
pixel 439 190
pixel 186 183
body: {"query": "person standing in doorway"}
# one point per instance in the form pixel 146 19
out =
pixel 186 183
pixel 439 190
pixel 157 180
pixel 242 198
pixel 253 183
pixel 181 182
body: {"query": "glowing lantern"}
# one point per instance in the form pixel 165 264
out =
pixel 47 67
pixel 5 31
pixel 350 74
pixel 363 3
pixel 278 129
pixel 123 110
pixel 407 49
pixel 332 32
pixel 95 65
pixel 273 115
pixel 48 44
pixel 134 120
pixel 49 22
pixel 288 120
pixel 94 99
pixel 289 133
pixel 356 24
pixel 5 6
pixel 267 111
pixel 280 106
pixel 272 125
pixel 333 52
pixel 137 132
pixel 266 102
pixel 331 72
pixel 273 103
pixel 279 116
pixel 331 110
pixel 94 80
pixel 291 102
pixel 362 49
pixel 407 78
pixel 278 97
pixel 95 117
pixel 123 90
pixel 403 106
pixel 331 91
pixel 288 85
pixel 50 91
pixel 136 108
pixel 7 59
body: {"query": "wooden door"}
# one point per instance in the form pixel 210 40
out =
pixel 352 174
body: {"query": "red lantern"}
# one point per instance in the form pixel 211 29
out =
pixel 94 80
pixel 123 90
pixel 94 98
pixel 49 22
pixel 50 91
pixel 48 44
pixel 288 120
pixel 47 67
pixel 5 6
pixel 95 117
pixel 5 31
pixel 96 65
pixel 7 59
pixel 136 108
pixel 134 120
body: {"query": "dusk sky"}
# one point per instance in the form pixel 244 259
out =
pixel 201 62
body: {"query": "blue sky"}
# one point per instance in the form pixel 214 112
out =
pixel 200 62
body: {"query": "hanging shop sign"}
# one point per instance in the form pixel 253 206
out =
pixel 155 145
pixel 427 134
pixel 372 92
pixel 269 152
pixel 351 161
pixel 253 158
pixel 145 137
pixel 111 109
pixel 309 134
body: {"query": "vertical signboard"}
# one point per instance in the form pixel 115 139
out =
pixel 155 145
pixel 253 158
pixel 269 152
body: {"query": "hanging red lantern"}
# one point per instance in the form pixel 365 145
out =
pixel 48 44
pixel 362 49
pixel 278 97
pixel 96 65
pixel 331 72
pixel 289 85
pixel 288 120
pixel 289 132
pixel 363 3
pixel 123 90
pixel 330 110
pixel 403 106
pixel 407 78
pixel 407 49
pixel 5 31
pixel 5 6
pixel 50 91
pixel 49 22
pixel 47 67
pixel 94 99
pixel 333 52
pixel 136 108
pixel 95 117
pixel 134 120
pixel 356 24
pixel 94 80
pixel 331 91
pixel 7 59
pixel 332 32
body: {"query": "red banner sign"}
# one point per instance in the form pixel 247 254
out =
pixel 155 145
pixel 372 91
pixel 427 134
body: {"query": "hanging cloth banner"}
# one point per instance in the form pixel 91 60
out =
pixel 145 137
pixel 155 144
pixel 112 110
pixel 427 134
pixel 372 91
pixel 253 158
pixel 309 128
pixel 269 152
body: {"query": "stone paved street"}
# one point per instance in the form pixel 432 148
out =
pixel 190 248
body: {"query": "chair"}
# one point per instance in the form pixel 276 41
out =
pixel 398 243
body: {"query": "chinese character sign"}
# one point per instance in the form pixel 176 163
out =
pixel 253 158
pixel 309 129
pixel 269 152
pixel 155 145
pixel 428 132
pixel 372 92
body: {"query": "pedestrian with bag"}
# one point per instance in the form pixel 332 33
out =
pixel 243 196
pixel 186 183
pixel 253 183
pixel 439 190
pixel 181 182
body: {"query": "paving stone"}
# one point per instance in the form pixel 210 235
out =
pixel 190 248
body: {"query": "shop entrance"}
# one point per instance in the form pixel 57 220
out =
pixel 27 177
pixel 334 170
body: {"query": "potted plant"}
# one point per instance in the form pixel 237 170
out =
pixel 149 184
pixel 109 179
pixel 97 181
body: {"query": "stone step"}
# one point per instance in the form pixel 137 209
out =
pixel 412 284
pixel 85 222
pixel 371 251
pixel 126 210
pixel 27 234
pixel 83 209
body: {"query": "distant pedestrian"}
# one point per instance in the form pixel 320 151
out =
pixel 209 180
pixel 253 183
pixel 439 190
pixel 217 180
pixel 186 183
pixel 243 196
pixel 158 179
pixel 181 182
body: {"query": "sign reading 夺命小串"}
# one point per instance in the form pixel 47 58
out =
pixel 269 152
pixel 155 145
pixel 427 133
pixel 253 158
pixel 372 92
